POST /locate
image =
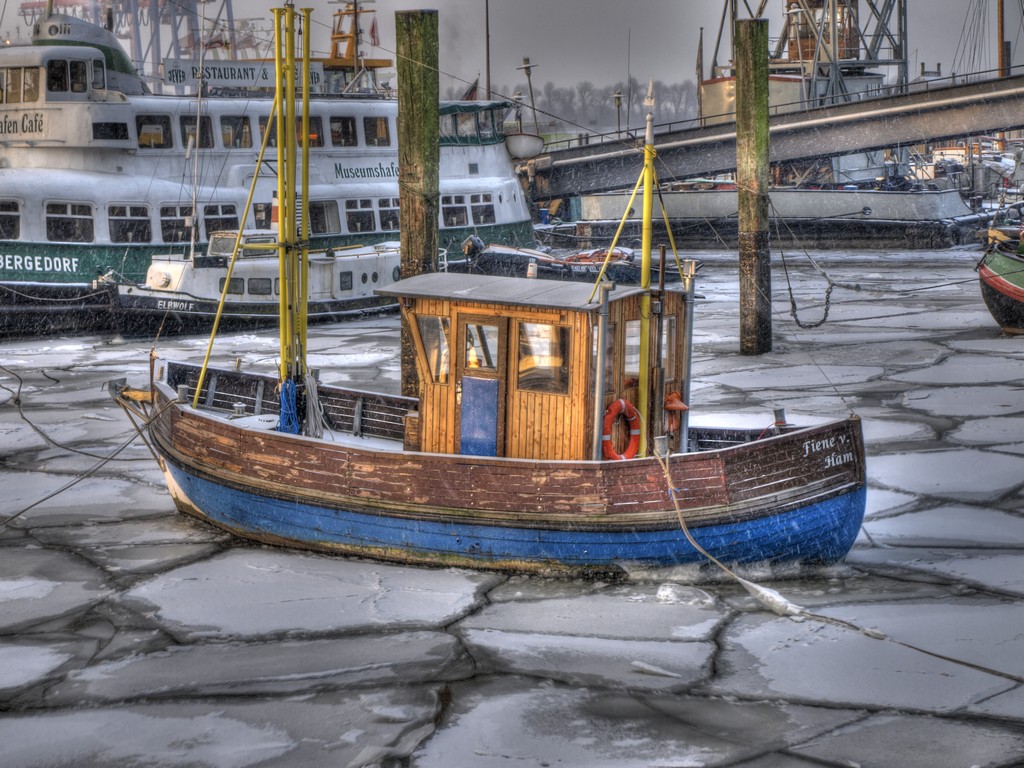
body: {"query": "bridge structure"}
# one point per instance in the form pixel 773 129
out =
pixel 930 115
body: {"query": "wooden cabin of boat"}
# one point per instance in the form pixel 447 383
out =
pixel 509 366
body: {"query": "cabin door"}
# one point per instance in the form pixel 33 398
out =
pixel 480 384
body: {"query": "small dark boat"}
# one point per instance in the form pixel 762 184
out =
pixel 1001 276
pixel 622 266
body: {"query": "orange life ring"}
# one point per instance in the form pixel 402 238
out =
pixel 621 408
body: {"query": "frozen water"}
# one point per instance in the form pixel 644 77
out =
pixel 261 592
pixel 133 636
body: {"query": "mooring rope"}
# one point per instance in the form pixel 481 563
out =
pixel 775 602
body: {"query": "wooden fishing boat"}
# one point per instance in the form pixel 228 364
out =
pixel 549 434
pixel 1001 276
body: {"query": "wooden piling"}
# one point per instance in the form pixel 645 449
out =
pixel 418 157
pixel 752 179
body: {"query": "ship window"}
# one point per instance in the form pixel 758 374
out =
pixel 345 283
pixel 99 76
pixel 609 354
pixel 264 122
pixel 188 131
pixel 11 84
pixel 316 131
pixel 487 131
pixel 389 213
pixel 154 131
pixel 234 287
pixel 668 347
pixel 30 84
pixel 483 208
pixel 359 215
pixel 260 286
pixel 543 358
pixel 220 218
pixel 130 224
pixel 323 217
pixel 56 76
pixel 261 214
pixel 110 131
pixel 10 220
pixel 343 132
pixel 376 130
pixel 69 222
pixel 176 223
pixel 482 347
pixel 453 211
pixel 434 333
pixel 79 76
pixel 235 131
pixel 631 362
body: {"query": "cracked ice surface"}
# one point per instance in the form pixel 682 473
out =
pixel 133 636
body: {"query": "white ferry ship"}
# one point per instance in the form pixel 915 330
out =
pixel 98 175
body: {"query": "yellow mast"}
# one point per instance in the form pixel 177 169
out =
pixel 646 236
pixel 292 247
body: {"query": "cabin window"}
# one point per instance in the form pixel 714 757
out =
pixel 609 354
pixel 631 361
pixel 668 347
pixel 543 358
pixel 447 129
pixel 235 131
pixel 260 286
pixel 56 76
pixel 482 347
pixel 453 211
pixel 176 223
pixel 30 85
pixel 264 122
pixel 130 224
pixel 343 132
pixel 376 131
pixel 345 281
pixel 434 333
pixel 79 76
pixel 483 208
pixel 69 222
pixel 19 84
pixel 487 130
pixel 220 218
pixel 389 213
pixel 316 131
pixel 154 131
pixel 99 76
pixel 110 131
pixel 359 215
pixel 261 214
pixel 235 286
pixel 188 131
pixel 323 217
pixel 10 220
pixel 465 126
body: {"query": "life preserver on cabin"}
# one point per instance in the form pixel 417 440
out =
pixel 626 409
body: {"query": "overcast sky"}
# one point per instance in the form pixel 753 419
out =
pixel 604 41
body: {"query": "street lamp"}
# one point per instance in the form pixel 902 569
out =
pixel 618 113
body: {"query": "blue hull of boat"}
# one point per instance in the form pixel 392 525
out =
pixel 822 532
